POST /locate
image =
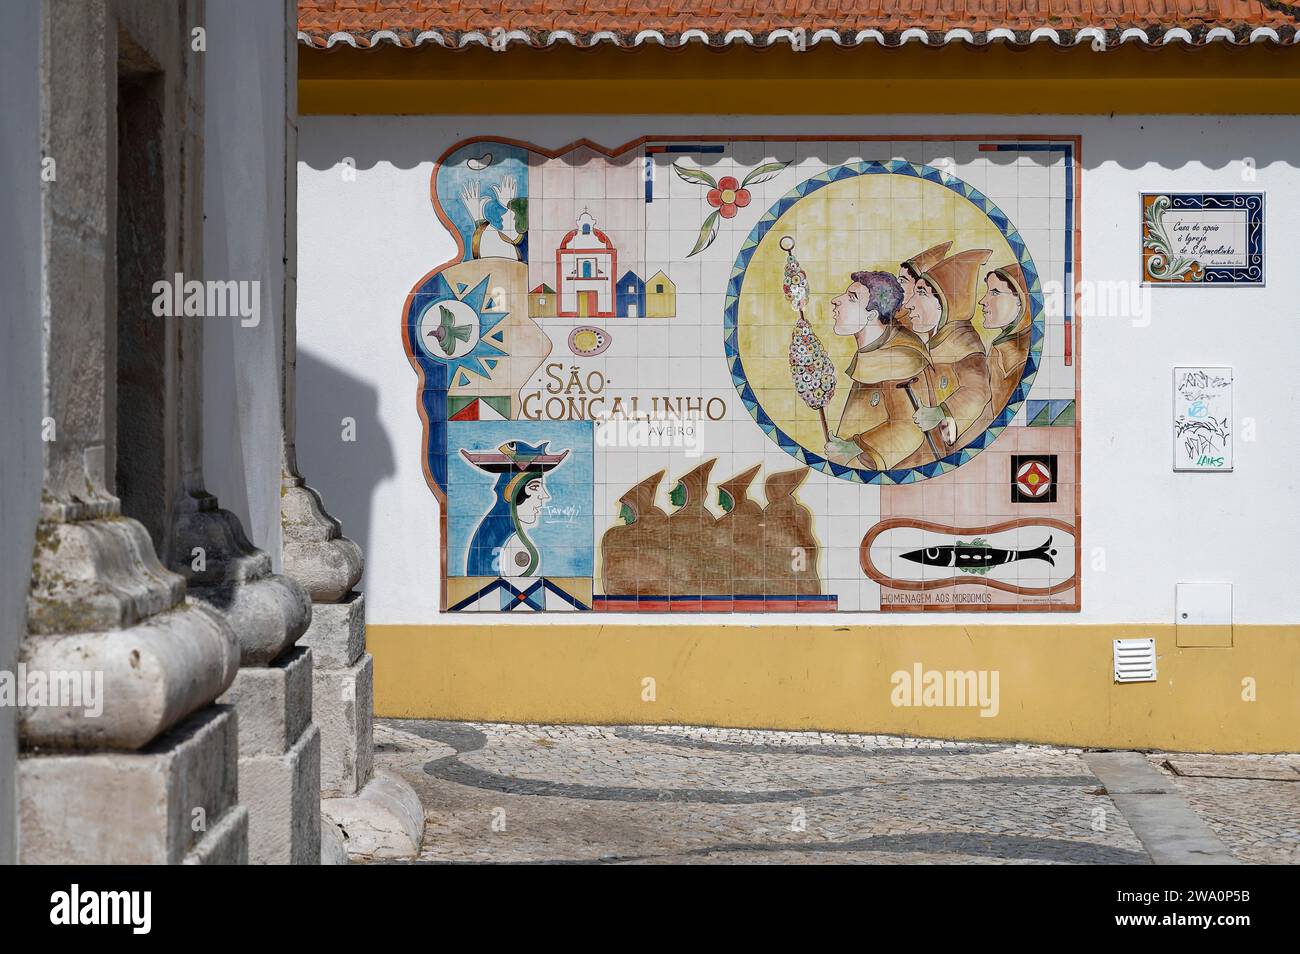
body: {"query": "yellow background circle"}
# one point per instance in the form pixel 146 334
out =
pixel 866 223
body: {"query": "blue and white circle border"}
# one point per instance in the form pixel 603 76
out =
pixel 731 309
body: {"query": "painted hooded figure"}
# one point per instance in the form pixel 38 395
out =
pixel 876 428
pixel 501 545
pixel 510 240
pixel 958 376
pixel 740 533
pixel 1006 309
pixel 634 553
pixel 912 269
pixel 790 546
pixel 698 566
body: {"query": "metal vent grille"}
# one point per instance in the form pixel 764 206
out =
pixel 1135 660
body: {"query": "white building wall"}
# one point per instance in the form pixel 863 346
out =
pixel 243 240
pixel 364 241
pixel 20 344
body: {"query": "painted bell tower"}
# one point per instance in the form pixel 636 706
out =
pixel 585 270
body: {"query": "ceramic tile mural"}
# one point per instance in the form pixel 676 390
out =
pixel 754 375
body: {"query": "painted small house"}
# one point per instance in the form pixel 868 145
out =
pixel 541 302
pixel 631 295
pixel 660 296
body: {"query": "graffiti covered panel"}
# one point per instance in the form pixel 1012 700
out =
pixel 754 375
pixel 1202 419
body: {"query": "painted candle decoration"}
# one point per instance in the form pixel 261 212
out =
pixel 810 366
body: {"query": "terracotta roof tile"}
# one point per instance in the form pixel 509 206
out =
pixel 457 23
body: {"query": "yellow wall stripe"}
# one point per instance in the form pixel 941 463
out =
pixel 1259 79
pixel 1055 680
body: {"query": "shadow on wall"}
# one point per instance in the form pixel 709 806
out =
pixel 1132 142
pixel 343 448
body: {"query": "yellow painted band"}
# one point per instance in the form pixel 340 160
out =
pixel 954 79
pixel 1055 681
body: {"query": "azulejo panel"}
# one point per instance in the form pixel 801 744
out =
pixel 752 375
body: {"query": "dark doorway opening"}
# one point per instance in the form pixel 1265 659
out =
pixel 142 338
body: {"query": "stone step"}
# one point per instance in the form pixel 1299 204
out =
pixel 225 843
pixel 337 634
pixel 273 702
pixel 282 793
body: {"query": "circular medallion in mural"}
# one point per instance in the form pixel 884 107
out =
pixel 883 322
pixel 448 329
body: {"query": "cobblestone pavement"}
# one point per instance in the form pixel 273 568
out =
pixel 1257 819
pixel 643 794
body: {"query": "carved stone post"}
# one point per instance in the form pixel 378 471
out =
pixel 372 816
pixel 279 745
pixel 152 777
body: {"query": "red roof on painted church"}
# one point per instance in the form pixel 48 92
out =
pixel 585 218
pixel 628 23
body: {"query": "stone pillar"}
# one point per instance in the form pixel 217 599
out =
pixel 240 401
pixel 279 746
pixel 153 776
pixel 373 815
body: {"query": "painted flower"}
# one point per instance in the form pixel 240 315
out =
pixel 728 197
pixel 725 195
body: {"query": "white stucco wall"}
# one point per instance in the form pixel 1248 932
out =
pixel 365 239
pixel 20 346
pixel 243 240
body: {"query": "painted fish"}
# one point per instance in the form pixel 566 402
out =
pixel 977 556
pixel 448 332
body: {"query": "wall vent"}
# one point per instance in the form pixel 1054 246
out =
pixel 1135 660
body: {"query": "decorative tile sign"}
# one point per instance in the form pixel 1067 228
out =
pixel 753 375
pixel 1193 238
pixel 1202 419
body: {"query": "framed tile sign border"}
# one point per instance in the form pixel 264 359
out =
pixel 1210 238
